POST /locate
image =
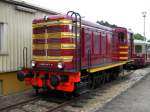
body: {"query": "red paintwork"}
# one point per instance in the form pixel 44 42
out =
pixel 98 47
pixel 142 60
pixel 106 54
pixel 51 29
pixel 63 86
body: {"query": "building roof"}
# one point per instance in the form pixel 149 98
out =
pixel 141 42
pixel 28 5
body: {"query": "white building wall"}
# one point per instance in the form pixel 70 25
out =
pixel 18 35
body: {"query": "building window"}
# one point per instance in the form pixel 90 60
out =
pixel 3 45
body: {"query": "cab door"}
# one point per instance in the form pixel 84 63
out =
pixel 115 47
pixel 121 44
pixel 86 47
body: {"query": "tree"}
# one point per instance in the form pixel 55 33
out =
pixel 138 36
pixel 106 24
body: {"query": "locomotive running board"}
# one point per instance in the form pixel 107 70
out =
pixel 92 70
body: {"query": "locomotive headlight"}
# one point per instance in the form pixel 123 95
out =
pixel 60 65
pixel 33 64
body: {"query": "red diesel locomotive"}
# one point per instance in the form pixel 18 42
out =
pixel 70 54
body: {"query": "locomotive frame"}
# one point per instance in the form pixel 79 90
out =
pixel 70 54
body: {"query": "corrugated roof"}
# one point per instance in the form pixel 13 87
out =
pixel 28 5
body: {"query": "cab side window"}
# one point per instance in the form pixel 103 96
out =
pixel 121 37
pixel 138 48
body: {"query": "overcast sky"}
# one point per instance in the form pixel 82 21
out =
pixel 125 13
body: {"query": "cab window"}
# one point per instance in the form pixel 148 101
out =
pixel 121 37
pixel 138 48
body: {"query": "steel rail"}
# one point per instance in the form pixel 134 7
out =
pixel 18 104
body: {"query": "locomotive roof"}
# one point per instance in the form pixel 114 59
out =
pixel 96 25
pixel 85 23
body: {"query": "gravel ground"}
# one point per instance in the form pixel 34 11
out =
pixel 109 91
pixel 94 101
pixel 13 99
pixel 135 99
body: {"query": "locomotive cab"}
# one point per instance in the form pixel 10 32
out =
pixel 54 54
pixel 121 44
pixel 53 45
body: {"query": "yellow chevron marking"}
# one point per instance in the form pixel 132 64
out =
pixel 124 47
pixel 38 46
pixel 54 35
pixel 123 58
pixel 68 46
pixel 68 35
pixel 53 58
pixel 53 46
pixel 92 70
pixel 52 23
pixel 123 52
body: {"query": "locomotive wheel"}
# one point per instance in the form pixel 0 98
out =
pixel 108 77
pixel 36 90
pixel 76 92
pixel 103 78
pixel 95 81
pixel 82 87
pixel 114 76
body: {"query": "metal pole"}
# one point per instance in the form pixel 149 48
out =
pixel 144 16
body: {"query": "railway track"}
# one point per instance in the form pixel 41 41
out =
pixel 19 103
pixel 38 104
pixel 77 103
pixel 53 104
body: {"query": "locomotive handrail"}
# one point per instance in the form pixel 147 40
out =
pixel 71 13
pixel 80 27
pixel 77 16
pixel 25 54
pixel 89 58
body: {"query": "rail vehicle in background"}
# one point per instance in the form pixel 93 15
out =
pixel 141 53
pixel 70 54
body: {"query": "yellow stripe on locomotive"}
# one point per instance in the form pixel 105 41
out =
pixel 53 58
pixel 55 35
